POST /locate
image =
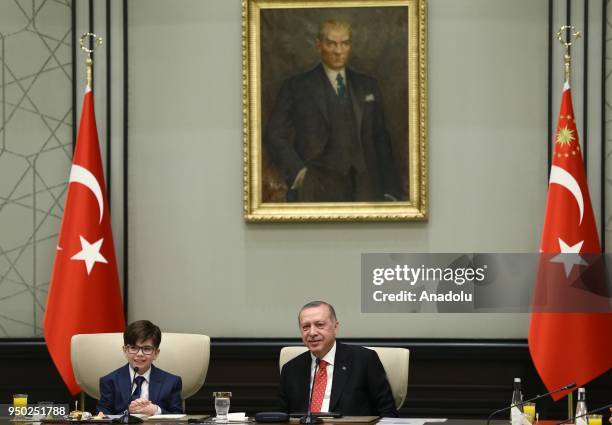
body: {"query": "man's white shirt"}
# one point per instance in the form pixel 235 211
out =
pixel 332 75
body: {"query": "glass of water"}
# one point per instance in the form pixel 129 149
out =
pixel 20 403
pixel 222 405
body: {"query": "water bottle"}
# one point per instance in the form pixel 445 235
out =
pixel 516 412
pixel 581 407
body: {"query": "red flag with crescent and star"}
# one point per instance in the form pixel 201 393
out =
pixel 568 347
pixel 84 294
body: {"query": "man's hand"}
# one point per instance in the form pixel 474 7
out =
pixel 143 407
pixel 299 179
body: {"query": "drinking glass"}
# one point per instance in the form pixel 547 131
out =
pixel 20 401
pixel 594 419
pixel 529 412
pixel 222 405
pixel 45 409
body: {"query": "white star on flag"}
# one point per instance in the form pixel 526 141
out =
pixel 90 253
pixel 569 261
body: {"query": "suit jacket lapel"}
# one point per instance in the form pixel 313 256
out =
pixel 317 89
pixel 124 383
pixel 342 369
pixel 357 99
pixel 303 383
pixel 155 384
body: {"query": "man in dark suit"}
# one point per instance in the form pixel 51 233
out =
pixel 154 391
pixel 327 133
pixel 349 380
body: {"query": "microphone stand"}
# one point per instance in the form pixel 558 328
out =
pixel 309 419
pixel 126 418
pixel 599 409
pixel 567 387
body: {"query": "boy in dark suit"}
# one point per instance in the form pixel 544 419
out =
pixel 154 391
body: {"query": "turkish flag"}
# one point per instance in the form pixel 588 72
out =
pixel 569 347
pixel 84 294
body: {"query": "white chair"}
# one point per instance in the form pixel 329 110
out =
pixel 394 360
pixel 95 355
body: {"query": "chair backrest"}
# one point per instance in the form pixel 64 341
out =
pixel 394 360
pixel 95 355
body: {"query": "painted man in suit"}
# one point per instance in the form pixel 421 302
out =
pixel 349 379
pixel 327 134
pixel 154 391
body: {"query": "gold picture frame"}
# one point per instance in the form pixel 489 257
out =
pixel 281 49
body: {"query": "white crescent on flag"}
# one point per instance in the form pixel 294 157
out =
pixel 561 177
pixel 82 175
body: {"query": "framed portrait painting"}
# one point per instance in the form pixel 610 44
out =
pixel 334 110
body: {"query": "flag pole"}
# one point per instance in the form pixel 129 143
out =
pixel 565 35
pixel 567 43
pixel 97 42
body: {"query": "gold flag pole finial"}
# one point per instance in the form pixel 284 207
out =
pixel 97 41
pixel 567 43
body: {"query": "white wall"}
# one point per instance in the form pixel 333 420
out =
pixel 196 266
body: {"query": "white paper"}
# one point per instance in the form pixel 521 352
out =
pixel 177 416
pixel 237 417
pixel 409 421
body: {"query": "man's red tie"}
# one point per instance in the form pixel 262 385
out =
pixel 320 384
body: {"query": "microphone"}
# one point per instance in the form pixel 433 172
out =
pixel 599 409
pixel 565 388
pixel 126 418
pixel 309 419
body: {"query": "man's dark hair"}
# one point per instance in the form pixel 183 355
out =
pixel 311 304
pixel 141 330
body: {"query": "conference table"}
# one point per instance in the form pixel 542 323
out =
pixel 343 421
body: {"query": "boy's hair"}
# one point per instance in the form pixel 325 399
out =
pixel 141 330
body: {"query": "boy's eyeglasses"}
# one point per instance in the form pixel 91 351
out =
pixel 147 350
